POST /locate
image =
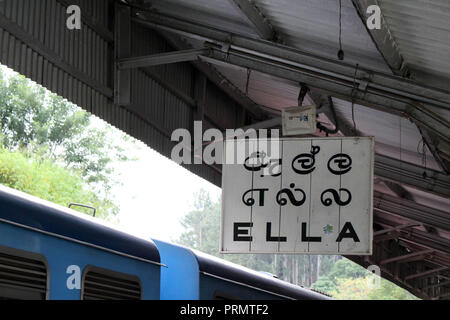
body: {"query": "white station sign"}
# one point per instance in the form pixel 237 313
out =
pixel 298 195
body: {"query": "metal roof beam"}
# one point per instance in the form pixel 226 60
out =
pixel 406 256
pixel 310 64
pixel 444 283
pixel 267 124
pixel 395 170
pixel 400 227
pixel 425 273
pixel 387 168
pixel 256 110
pixel 388 48
pixel 377 99
pixel 160 58
pixel 412 211
pixel 381 91
pixel 384 237
pixel 382 38
pixel 426 240
pixel 254 17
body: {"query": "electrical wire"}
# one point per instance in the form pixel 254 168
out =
pixel 340 52
pixel 248 81
pixel 353 102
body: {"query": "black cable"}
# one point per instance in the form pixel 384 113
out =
pixel 340 52
pixel 248 81
pixel 353 102
pixel 301 96
pixel 321 127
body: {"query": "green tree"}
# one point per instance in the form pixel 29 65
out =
pixel 325 284
pixel 389 291
pixel 46 180
pixel 39 122
pixel 359 288
pixel 202 232
pixel 345 268
pixel 331 274
pixel 351 289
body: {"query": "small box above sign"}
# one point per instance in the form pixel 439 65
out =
pixel 299 120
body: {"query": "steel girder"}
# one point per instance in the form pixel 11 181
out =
pixel 412 210
pixel 388 48
pixel 389 93
pixel 160 58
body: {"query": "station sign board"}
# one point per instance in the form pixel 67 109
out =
pixel 298 195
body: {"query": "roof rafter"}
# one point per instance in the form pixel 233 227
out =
pixel 406 256
pixel 388 48
pixel 373 89
pixel 255 18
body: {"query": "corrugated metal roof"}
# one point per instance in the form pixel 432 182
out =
pixel 262 88
pixel 215 13
pixel 422 32
pixel 78 66
pixel 395 137
pixel 313 25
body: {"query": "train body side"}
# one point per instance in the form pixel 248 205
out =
pixel 191 274
pixel 32 227
pixel 42 245
pixel 180 277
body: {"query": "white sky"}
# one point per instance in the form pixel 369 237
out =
pixel 155 193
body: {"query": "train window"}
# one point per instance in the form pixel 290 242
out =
pixel 103 284
pixel 23 275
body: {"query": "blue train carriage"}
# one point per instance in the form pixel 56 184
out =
pixel 51 252
pixel 192 275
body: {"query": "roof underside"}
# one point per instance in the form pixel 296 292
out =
pixel 420 30
pixel 409 55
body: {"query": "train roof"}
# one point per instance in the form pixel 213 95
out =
pixel 231 272
pixel 21 209
pixel 219 268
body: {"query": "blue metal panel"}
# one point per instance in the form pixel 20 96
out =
pixel 245 277
pixel 180 280
pixel 210 286
pixel 26 210
pixel 62 253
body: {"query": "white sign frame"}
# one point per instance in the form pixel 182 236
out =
pixel 358 147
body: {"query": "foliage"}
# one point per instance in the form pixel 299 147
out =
pixel 45 180
pixel 334 275
pixel 202 232
pixel 361 289
pixel 53 149
pixel 389 291
pixel 325 284
pixel 345 268
pixel 351 289
pixel 37 121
